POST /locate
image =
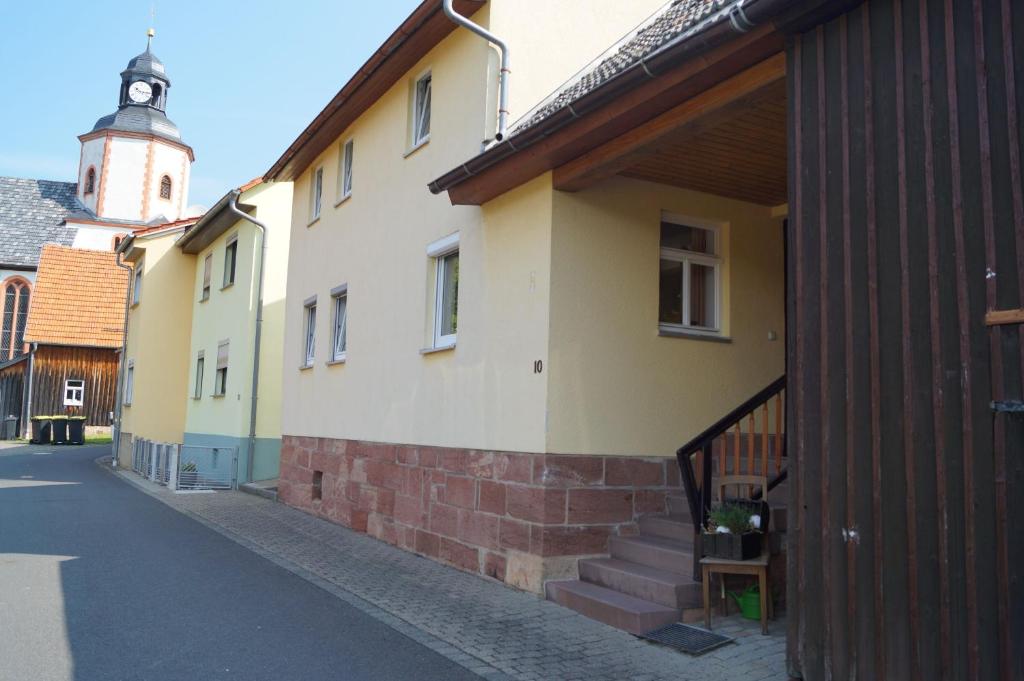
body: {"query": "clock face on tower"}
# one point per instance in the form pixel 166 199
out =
pixel 140 92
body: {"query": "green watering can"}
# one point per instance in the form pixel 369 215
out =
pixel 749 602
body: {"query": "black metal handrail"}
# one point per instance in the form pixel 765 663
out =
pixel 699 497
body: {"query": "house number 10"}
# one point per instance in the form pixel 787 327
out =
pixel 538 366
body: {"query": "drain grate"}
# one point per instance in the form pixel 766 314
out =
pixel 686 638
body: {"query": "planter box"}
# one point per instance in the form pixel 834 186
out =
pixel 60 431
pixel 76 430
pixel 732 546
pixel 41 430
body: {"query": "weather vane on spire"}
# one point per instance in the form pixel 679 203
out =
pixel 152 22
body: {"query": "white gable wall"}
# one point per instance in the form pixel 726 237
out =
pixel 92 156
pixel 124 179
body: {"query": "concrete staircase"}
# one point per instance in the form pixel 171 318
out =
pixel 646 583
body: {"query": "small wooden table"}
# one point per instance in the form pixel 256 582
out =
pixel 721 566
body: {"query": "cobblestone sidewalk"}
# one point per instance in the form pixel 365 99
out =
pixel 489 628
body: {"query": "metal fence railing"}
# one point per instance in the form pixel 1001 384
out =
pixel 185 467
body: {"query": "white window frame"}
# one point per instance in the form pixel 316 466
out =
pixel 438 251
pixel 197 391
pixel 422 107
pixel 345 155
pixel 713 260
pixel 316 194
pixel 204 292
pixel 129 383
pixel 78 389
pixel 339 324
pixel 137 281
pixel 308 332
pixel 231 247
pixel 217 375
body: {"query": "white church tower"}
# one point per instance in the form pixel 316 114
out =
pixel 134 167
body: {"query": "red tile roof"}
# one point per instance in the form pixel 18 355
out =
pixel 78 298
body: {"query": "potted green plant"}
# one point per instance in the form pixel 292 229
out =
pixel 60 429
pixel 42 428
pixel 733 533
pixel 76 430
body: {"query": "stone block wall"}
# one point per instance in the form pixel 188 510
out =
pixel 517 517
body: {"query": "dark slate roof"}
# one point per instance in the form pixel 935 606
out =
pixel 147 64
pixel 140 119
pixel 678 18
pixel 32 213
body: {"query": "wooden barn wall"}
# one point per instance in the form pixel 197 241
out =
pixel 52 365
pixel 12 385
pixel 907 225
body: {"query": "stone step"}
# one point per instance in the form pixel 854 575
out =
pixel 658 586
pixel 669 527
pixel 619 610
pixel 655 552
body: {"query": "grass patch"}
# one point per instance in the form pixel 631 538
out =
pixel 99 440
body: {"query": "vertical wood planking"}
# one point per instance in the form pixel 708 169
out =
pixel 907 225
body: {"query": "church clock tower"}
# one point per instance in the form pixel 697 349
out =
pixel 134 166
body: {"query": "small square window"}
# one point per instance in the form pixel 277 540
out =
pixel 230 259
pixel 421 110
pixel 74 393
pixel 309 348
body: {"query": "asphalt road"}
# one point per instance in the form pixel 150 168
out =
pixel 99 581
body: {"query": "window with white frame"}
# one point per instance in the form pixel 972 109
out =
pixel 309 347
pixel 230 259
pixel 445 255
pixel 129 383
pixel 339 330
pixel 345 170
pixel 690 276
pixel 137 282
pixel 220 379
pixel 421 109
pixel 74 393
pixel 200 366
pixel 207 276
pixel 316 194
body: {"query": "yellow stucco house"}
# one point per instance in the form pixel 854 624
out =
pixel 502 385
pixel 199 308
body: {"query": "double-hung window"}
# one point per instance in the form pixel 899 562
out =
pixel 74 393
pixel 309 347
pixel 421 110
pixel 137 282
pixel 200 366
pixel 207 276
pixel 690 277
pixel 445 256
pixel 230 259
pixel 129 383
pixel 339 331
pixel 220 381
pixel 316 194
pixel 345 170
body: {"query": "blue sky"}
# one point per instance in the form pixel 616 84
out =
pixel 246 77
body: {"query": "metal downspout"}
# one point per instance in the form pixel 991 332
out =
pixel 233 207
pixel 505 70
pixel 119 397
pixel 28 391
